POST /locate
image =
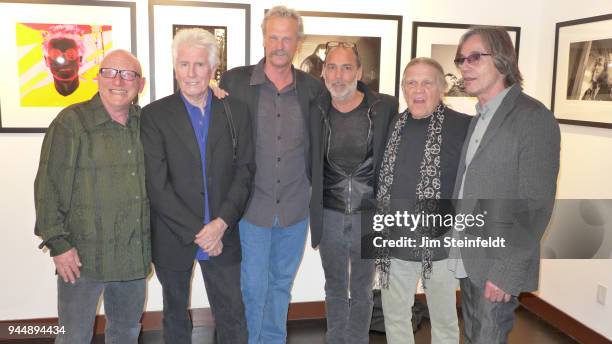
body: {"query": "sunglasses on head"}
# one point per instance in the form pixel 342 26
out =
pixel 334 44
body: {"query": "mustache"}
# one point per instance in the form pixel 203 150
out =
pixel 279 52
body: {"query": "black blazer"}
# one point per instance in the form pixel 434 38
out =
pixel 174 178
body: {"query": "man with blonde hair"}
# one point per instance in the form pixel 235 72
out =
pixel 273 228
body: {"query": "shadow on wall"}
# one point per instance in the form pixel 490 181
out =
pixel 579 229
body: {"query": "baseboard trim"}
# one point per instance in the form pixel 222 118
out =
pixel 152 321
pixel 560 320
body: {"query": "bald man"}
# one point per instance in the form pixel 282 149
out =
pixel 92 209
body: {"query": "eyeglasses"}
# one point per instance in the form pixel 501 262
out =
pixel 471 59
pixel 111 73
pixel 334 44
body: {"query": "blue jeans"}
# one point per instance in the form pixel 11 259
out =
pixel 77 304
pixel 270 259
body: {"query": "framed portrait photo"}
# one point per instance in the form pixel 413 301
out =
pixel 582 72
pixel 229 23
pixel 50 55
pixel 377 37
pixel 440 41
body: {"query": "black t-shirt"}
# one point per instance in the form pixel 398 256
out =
pixel 348 142
pixel 410 155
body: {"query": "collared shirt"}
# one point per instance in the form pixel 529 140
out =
pixel 281 186
pixel 485 114
pixel 484 117
pixel 200 121
pixel 90 192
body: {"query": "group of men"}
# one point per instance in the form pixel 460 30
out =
pixel 227 181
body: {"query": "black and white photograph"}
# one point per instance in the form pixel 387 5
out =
pixel 590 70
pixel 229 23
pixel 439 41
pixel 445 55
pixel 582 72
pixel 312 55
pixel 378 38
pixel 220 33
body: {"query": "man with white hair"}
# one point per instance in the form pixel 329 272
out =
pixel 199 160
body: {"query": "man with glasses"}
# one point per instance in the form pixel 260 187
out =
pixel 507 172
pixel 348 138
pixel 92 210
pixel 274 227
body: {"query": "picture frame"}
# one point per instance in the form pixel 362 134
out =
pixel 582 72
pixel 359 27
pixel 232 22
pixel 35 88
pixel 440 41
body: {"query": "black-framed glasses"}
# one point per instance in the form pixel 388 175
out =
pixel 111 73
pixel 334 44
pixel 471 59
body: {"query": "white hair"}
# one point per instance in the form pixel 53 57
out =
pixel 196 37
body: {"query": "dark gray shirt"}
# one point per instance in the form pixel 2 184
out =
pixel 348 140
pixel 281 187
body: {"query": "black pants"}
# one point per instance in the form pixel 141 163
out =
pixel 224 295
pixel 485 322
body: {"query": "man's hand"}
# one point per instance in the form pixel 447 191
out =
pixel 495 294
pixel 215 251
pixel 217 91
pixel 67 265
pixel 209 237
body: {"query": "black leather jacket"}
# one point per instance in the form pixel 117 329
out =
pixel 382 108
pixel 344 191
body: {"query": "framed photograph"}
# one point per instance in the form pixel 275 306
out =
pixel 50 55
pixel 229 23
pixel 582 72
pixel 439 41
pixel 378 39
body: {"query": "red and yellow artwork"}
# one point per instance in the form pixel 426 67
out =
pixel 58 63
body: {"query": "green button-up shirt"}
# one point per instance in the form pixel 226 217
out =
pixel 90 192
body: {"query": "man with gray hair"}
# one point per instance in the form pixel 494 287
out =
pixel 199 159
pixel 508 172
pixel 92 210
pixel 273 229
pixel 348 138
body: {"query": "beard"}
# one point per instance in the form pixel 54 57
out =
pixel 343 93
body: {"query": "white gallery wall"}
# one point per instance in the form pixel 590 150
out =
pixel 27 274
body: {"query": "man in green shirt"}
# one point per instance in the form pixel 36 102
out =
pixel 92 210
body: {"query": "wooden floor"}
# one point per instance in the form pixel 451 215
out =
pixel 528 329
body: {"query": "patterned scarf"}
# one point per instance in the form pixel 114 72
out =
pixel 427 191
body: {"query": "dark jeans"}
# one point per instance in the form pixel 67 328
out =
pixel 77 304
pixel 223 289
pixel 348 321
pixel 485 322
